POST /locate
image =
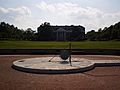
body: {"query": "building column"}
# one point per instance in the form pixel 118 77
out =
pixel 65 36
pixel 57 36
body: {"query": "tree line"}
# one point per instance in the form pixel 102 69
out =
pixel 10 32
pixel 106 34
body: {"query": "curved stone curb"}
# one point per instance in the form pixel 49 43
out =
pixel 43 66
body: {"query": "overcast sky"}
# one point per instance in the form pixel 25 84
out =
pixel 92 14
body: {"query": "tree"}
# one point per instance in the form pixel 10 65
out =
pixel 29 34
pixel 108 33
pixel 45 32
pixel 99 34
pixel 10 32
pixel 91 35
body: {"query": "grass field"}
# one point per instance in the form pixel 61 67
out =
pixel 54 45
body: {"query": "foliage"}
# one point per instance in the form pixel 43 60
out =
pixel 10 32
pixel 108 33
pixel 45 32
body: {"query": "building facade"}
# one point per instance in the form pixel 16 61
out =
pixel 61 33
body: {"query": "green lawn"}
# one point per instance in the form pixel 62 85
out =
pixel 54 45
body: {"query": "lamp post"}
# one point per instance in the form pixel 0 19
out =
pixel 70 53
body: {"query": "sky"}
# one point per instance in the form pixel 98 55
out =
pixel 92 14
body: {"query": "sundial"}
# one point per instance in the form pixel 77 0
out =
pixel 65 55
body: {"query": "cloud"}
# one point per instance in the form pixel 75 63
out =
pixel 20 10
pixel 18 16
pixel 68 13
pixel 3 10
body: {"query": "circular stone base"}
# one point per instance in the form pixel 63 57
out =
pixel 56 65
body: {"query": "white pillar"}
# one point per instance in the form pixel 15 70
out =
pixel 57 35
pixel 64 36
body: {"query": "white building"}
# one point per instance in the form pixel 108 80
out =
pixel 65 33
